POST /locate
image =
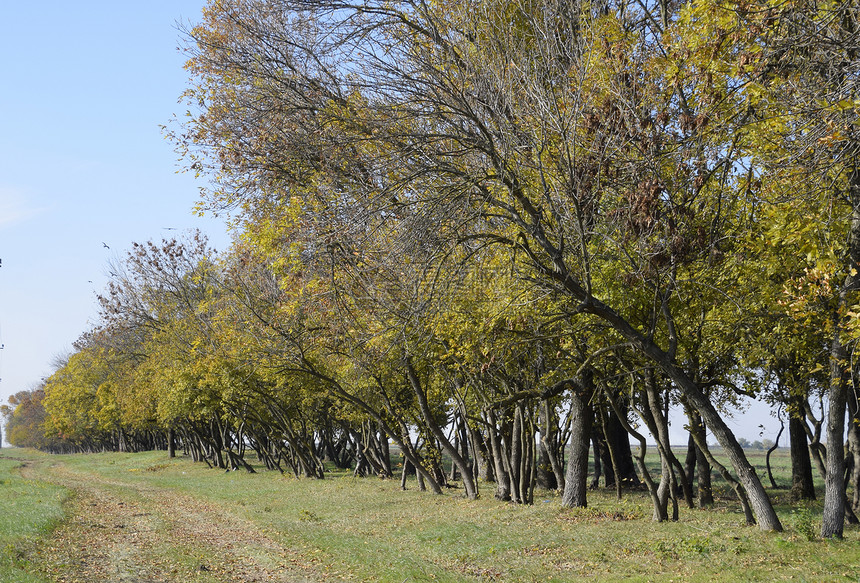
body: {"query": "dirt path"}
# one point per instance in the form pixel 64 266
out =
pixel 125 533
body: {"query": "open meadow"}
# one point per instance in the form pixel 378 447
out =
pixel 144 518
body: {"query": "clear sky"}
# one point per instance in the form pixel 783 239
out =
pixel 85 87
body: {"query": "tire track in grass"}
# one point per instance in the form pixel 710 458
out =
pixel 121 532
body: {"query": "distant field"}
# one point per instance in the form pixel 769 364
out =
pixel 142 518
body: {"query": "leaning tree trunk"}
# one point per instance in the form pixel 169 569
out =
pixel 758 498
pixel 770 451
pixel 469 483
pixel 643 448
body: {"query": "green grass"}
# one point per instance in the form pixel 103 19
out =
pixel 368 530
pixel 28 510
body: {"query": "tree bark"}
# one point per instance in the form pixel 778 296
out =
pixel 854 458
pixel 758 498
pixel 704 490
pixel 503 478
pixel 546 477
pixel 833 518
pixel 527 453
pixel 651 412
pixel 816 449
pixel 515 449
pixel 613 461
pixel 802 487
pixel 690 458
pixel 599 456
pixel 576 477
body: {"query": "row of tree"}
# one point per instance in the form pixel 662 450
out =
pixel 499 231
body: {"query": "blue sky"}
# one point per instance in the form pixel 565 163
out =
pixel 83 163
pixel 85 87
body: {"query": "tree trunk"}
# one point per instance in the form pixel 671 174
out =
pixel 465 471
pixel 613 462
pixel 699 461
pixel 545 474
pixel 651 412
pixel 618 441
pixel 643 448
pixel 704 490
pixel 598 456
pixel 759 501
pixel 482 467
pixel 802 487
pixel 771 450
pixel 576 478
pixel 853 459
pixel 833 518
pixel 171 443
pixel 761 504
pixel 404 472
pixel 816 448
pixel 503 481
pixel 613 442
pixel 516 453
pixel 690 458
pixel 527 453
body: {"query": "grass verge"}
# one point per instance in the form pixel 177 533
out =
pixel 29 510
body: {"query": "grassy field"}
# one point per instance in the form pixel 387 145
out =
pixel 155 519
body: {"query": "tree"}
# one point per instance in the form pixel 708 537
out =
pixel 804 86
pixel 25 420
pixel 590 162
